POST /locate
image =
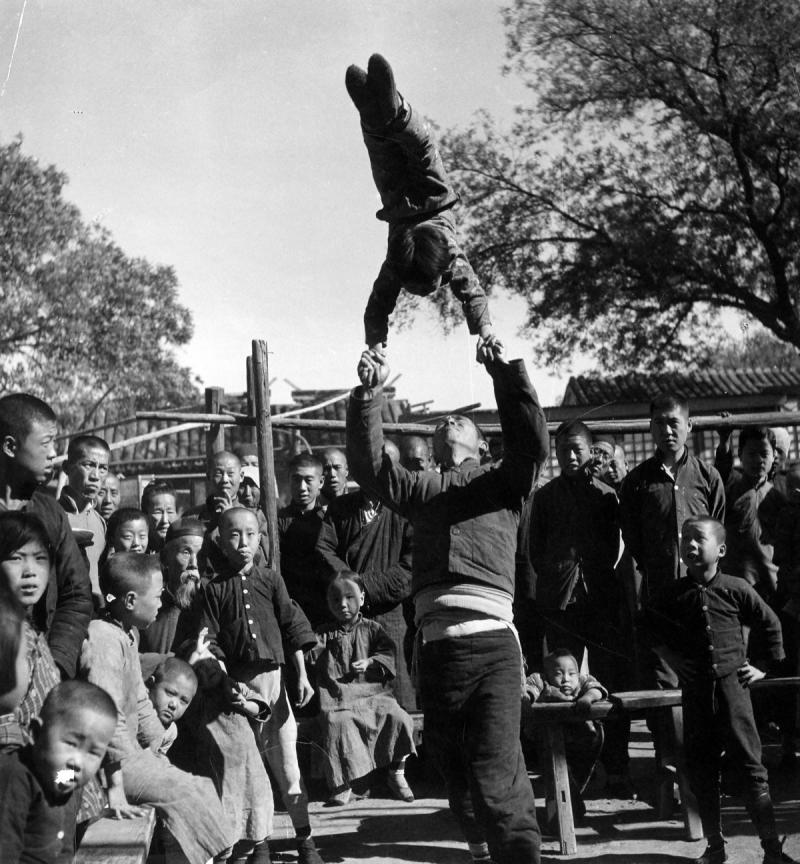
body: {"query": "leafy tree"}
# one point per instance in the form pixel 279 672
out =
pixel 82 324
pixel 652 182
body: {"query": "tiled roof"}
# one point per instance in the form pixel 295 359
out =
pixel 637 387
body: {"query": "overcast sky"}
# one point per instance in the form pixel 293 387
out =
pixel 218 138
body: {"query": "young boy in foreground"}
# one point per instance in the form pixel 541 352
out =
pixel 697 627
pixel 36 783
pixel 250 618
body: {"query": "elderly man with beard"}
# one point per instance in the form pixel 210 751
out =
pixel 179 616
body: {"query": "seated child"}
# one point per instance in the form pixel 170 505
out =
pixel 250 617
pixel 697 624
pixel 363 727
pixel 25 561
pixel 423 251
pixel 14 671
pixel 215 740
pixel 171 688
pixel 70 738
pixel 188 805
pixel 562 681
pixel 160 505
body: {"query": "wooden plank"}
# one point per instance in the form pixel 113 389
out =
pixel 691 816
pixel 117 841
pixel 560 804
pixel 713 421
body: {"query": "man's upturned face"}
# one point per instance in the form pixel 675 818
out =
pixel 455 432
pixel 88 472
pixel 34 454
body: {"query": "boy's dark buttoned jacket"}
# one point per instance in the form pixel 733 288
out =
pixel 703 622
pixel 251 617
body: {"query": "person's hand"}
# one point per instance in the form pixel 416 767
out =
pixel 221 502
pixel 724 432
pixel 583 706
pixel 553 694
pixel 373 370
pixel 304 692
pixel 202 651
pixel 748 673
pixel 489 349
pixel 360 665
pixel 119 808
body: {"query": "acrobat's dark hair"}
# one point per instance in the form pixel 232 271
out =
pixel 18 413
pixel 420 250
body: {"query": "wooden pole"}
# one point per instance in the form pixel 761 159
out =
pixel 266 456
pixel 215 437
pixel 251 405
pixel 620 427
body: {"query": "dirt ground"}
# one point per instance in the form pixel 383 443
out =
pixel 377 830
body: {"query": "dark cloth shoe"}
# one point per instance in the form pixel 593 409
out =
pixel 355 80
pixel 774 854
pixel 307 852
pixel 712 855
pixel 380 79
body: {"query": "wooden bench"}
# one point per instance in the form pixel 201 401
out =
pixel 552 716
pixel 121 841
